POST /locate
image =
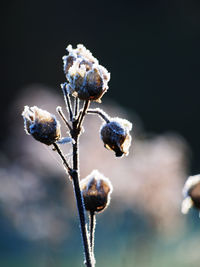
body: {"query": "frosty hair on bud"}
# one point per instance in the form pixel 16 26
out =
pixel 41 124
pixel 96 190
pixel 116 137
pixel 87 79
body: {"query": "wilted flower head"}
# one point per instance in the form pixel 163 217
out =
pixel 87 79
pixel 191 193
pixel 116 137
pixel 42 125
pixel 96 190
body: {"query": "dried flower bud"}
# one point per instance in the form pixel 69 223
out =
pixel 87 79
pixel 191 193
pixel 42 125
pixel 116 137
pixel 96 190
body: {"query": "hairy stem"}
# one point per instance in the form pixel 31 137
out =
pixel 99 112
pixel 76 107
pixel 79 198
pixel 59 151
pixel 81 212
pixel 92 218
pixel 83 112
pixel 75 131
pixel 60 112
pixel 67 100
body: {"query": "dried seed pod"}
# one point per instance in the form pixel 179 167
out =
pixel 87 79
pixel 96 190
pixel 116 137
pixel 41 124
pixel 191 193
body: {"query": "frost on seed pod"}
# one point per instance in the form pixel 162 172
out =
pixel 42 125
pixel 191 193
pixel 96 190
pixel 116 137
pixel 87 79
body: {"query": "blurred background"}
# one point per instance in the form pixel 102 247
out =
pixel 151 49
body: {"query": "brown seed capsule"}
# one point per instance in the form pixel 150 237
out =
pixel 87 79
pixel 96 190
pixel 42 125
pixel 191 192
pixel 116 137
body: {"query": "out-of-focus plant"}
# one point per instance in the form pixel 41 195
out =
pixel 191 193
pixel 86 81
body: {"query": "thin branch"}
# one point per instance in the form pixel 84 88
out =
pixel 76 106
pixel 62 115
pixel 74 174
pixel 79 198
pixel 99 112
pixel 57 148
pixel 81 212
pixel 67 100
pixel 83 112
pixel 79 115
pixel 92 218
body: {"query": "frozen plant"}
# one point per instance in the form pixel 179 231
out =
pixel 191 193
pixel 96 190
pixel 86 81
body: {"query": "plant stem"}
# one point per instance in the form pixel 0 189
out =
pixel 99 112
pixel 78 195
pixel 57 148
pixel 92 217
pixel 67 101
pixel 75 131
pixel 60 112
pixel 74 174
pixel 81 212
pixel 76 106
pixel 83 112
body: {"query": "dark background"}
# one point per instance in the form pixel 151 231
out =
pixel 151 49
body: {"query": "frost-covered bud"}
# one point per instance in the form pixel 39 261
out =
pixel 116 137
pixel 41 124
pixel 96 190
pixel 87 79
pixel 191 193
